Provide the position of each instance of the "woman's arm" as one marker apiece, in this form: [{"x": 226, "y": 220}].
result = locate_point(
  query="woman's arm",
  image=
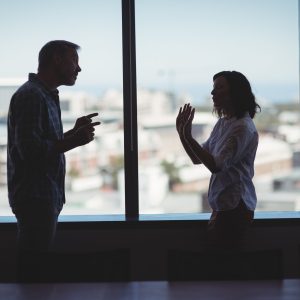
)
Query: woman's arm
[
  {"x": 180, "y": 126},
  {"x": 200, "y": 154},
  {"x": 204, "y": 156}
]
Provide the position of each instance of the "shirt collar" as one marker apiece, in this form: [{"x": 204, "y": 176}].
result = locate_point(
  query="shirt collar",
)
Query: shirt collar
[
  {"x": 230, "y": 120},
  {"x": 32, "y": 77}
]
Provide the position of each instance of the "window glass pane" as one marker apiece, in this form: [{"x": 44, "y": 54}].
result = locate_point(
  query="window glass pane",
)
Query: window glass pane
[
  {"x": 92, "y": 181},
  {"x": 180, "y": 46}
]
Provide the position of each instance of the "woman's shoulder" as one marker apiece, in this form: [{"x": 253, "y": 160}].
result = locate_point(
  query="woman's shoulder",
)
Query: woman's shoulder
[{"x": 245, "y": 123}]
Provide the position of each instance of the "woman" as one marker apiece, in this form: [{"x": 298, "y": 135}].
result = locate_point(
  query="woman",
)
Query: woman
[{"x": 228, "y": 153}]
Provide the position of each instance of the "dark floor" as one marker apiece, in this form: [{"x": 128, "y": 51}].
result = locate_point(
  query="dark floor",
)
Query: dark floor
[{"x": 288, "y": 289}]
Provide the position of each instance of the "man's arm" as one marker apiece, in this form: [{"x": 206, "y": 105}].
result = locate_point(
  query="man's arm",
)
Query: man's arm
[
  {"x": 80, "y": 122},
  {"x": 76, "y": 137},
  {"x": 68, "y": 133}
]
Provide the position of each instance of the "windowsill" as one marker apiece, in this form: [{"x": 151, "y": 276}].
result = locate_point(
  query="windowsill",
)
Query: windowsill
[{"x": 176, "y": 217}]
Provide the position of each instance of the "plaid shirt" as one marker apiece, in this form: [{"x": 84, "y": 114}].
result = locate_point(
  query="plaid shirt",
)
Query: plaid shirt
[{"x": 35, "y": 172}]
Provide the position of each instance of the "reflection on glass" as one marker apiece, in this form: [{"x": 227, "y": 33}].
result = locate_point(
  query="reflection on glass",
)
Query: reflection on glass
[
  {"x": 92, "y": 180},
  {"x": 180, "y": 46}
]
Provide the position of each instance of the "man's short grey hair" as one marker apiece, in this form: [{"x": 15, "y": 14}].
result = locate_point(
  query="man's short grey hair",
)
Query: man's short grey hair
[{"x": 52, "y": 48}]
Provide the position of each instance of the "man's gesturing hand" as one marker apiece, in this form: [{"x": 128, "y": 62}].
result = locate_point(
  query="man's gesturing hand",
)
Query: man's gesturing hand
[
  {"x": 84, "y": 120},
  {"x": 85, "y": 134}
]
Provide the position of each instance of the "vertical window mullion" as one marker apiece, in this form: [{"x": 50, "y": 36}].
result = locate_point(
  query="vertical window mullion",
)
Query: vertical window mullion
[
  {"x": 299, "y": 45},
  {"x": 130, "y": 110}
]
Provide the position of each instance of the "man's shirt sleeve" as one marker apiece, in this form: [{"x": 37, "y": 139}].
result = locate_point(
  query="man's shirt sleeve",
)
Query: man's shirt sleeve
[{"x": 30, "y": 118}]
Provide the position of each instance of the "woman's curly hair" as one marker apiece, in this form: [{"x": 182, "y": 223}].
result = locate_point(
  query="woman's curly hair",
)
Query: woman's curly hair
[{"x": 242, "y": 98}]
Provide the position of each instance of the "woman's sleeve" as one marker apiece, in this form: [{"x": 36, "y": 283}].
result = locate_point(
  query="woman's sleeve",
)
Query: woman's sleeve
[{"x": 240, "y": 141}]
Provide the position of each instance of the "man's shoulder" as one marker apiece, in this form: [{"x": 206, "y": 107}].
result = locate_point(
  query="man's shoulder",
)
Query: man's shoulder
[
  {"x": 28, "y": 87},
  {"x": 28, "y": 91}
]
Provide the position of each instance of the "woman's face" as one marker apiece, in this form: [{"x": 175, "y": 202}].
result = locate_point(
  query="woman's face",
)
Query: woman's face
[{"x": 221, "y": 93}]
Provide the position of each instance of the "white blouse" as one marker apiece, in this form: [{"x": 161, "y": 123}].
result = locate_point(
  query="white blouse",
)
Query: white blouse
[{"x": 233, "y": 144}]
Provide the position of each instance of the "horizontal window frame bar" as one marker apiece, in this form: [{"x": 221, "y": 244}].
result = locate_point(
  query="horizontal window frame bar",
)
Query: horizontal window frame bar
[{"x": 81, "y": 221}]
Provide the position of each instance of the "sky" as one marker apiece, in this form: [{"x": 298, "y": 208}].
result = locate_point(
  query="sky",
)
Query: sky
[{"x": 180, "y": 43}]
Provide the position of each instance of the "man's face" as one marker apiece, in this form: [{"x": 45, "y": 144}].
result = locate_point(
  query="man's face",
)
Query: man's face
[{"x": 68, "y": 67}]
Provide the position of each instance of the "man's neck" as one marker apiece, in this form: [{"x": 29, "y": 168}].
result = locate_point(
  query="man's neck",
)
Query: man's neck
[{"x": 48, "y": 79}]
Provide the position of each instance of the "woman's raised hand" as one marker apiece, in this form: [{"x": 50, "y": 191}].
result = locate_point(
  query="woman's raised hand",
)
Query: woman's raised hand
[{"x": 184, "y": 120}]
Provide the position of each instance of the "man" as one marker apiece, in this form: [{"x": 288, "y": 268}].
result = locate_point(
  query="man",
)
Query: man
[{"x": 36, "y": 146}]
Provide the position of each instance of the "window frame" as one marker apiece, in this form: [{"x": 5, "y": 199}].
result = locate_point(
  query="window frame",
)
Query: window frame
[
  {"x": 130, "y": 111},
  {"x": 131, "y": 143},
  {"x": 130, "y": 122}
]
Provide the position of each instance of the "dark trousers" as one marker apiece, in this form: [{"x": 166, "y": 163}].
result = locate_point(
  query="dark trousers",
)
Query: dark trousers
[
  {"x": 36, "y": 233},
  {"x": 226, "y": 229}
]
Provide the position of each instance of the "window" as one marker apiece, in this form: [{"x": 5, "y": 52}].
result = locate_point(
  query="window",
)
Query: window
[
  {"x": 180, "y": 46},
  {"x": 93, "y": 170}
]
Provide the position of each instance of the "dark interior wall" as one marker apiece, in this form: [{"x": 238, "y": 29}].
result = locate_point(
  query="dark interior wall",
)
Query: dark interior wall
[{"x": 149, "y": 244}]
